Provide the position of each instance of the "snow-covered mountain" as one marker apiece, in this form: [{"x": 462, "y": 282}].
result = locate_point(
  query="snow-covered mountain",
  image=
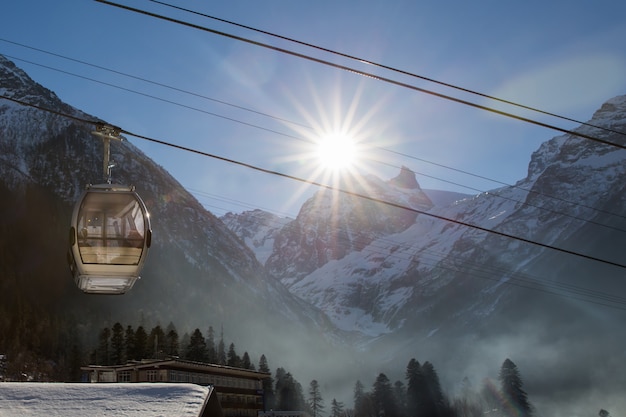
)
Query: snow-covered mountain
[
  {"x": 369, "y": 266},
  {"x": 402, "y": 281},
  {"x": 350, "y": 280}
]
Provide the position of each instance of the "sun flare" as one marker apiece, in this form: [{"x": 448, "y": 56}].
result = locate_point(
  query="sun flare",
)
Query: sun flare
[{"x": 336, "y": 152}]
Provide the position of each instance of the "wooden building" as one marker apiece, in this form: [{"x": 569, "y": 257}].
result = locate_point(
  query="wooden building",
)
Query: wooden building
[{"x": 239, "y": 391}]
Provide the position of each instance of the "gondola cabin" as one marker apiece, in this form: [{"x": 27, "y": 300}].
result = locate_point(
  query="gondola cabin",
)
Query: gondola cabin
[{"x": 109, "y": 239}]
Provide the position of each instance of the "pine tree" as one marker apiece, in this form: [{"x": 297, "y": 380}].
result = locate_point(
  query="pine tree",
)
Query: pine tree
[
  {"x": 359, "y": 392},
  {"x": 435, "y": 400},
  {"x": 336, "y": 408},
  {"x": 245, "y": 362},
  {"x": 104, "y": 352},
  {"x": 363, "y": 404},
  {"x": 156, "y": 342},
  {"x": 399, "y": 395},
  {"x": 130, "y": 343},
  {"x": 118, "y": 351},
  {"x": 289, "y": 395},
  {"x": 268, "y": 385},
  {"x": 196, "y": 350},
  {"x": 316, "y": 403},
  {"x": 232, "y": 359},
  {"x": 382, "y": 395},
  {"x": 141, "y": 343},
  {"x": 415, "y": 387},
  {"x": 280, "y": 388},
  {"x": 171, "y": 341},
  {"x": 511, "y": 386},
  {"x": 424, "y": 395},
  {"x": 210, "y": 346},
  {"x": 221, "y": 349}
]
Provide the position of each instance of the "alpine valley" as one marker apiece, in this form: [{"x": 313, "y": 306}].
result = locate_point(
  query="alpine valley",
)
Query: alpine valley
[{"x": 360, "y": 281}]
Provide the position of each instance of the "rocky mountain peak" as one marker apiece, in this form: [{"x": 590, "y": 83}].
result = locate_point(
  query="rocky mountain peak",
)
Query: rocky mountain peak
[
  {"x": 567, "y": 149},
  {"x": 13, "y": 78},
  {"x": 15, "y": 83},
  {"x": 333, "y": 224},
  {"x": 405, "y": 179},
  {"x": 612, "y": 110}
]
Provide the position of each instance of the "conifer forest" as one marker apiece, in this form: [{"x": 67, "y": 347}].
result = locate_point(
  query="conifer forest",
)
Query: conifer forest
[{"x": 418, "y": 394}]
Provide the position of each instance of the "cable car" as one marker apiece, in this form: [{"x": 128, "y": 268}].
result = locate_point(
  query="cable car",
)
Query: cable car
[{"x": 110, "y": 235}]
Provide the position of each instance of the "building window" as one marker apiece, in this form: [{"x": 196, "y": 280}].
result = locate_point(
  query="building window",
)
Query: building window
[
  {"x": 123, "y": 376},
  {"x": 152, "y": 375},
  {"x": 106, "y": 376}
]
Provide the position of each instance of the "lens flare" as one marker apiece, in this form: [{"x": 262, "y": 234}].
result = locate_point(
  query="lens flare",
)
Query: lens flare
[{"x": 336, "y": 152}]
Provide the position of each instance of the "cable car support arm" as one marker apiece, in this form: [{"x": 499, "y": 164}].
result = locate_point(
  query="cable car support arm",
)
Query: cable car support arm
[{"x": 106, "y": 133}]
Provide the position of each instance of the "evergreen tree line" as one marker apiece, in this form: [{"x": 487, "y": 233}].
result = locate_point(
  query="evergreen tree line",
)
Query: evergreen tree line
[
  {"x": 52, "y": 352},
  {"x": 422, "y": 396},
  {"x": 118, "y": 345}
]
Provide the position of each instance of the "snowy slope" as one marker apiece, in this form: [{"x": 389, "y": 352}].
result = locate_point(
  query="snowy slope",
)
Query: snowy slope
[{"x": 257, "y": 229}]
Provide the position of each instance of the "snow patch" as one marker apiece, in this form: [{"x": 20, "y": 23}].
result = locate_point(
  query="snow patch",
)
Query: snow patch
[{"x": 115, "y": 399}]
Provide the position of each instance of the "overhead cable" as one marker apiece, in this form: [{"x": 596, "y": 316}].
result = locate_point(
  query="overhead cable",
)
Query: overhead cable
[
  {"x": 367, "y": 74},
  {"x": 180, "y": 90},
  {"x": 299, "y": 138},
  {"x": 387, "y": 67},
  {"x": 156, "y": 98},
  {"x": 294, "y": 123}
]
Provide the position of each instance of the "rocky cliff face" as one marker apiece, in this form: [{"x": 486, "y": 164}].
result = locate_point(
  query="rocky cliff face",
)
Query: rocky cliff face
[{"x": 332, "y": 224}]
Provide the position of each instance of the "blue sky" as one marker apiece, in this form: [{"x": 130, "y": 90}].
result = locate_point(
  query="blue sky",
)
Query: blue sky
[{"x": 560, "y": 56}]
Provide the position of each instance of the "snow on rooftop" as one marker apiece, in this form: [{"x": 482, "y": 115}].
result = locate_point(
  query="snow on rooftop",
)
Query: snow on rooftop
[{"x": 84, "y": 399}]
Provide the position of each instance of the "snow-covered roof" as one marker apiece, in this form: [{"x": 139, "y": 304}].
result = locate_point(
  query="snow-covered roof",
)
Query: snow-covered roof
[{"x": 123, "y": 399}]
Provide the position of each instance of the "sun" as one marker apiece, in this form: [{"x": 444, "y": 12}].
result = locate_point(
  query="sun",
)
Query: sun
[{"x": 336, "y": 152}]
